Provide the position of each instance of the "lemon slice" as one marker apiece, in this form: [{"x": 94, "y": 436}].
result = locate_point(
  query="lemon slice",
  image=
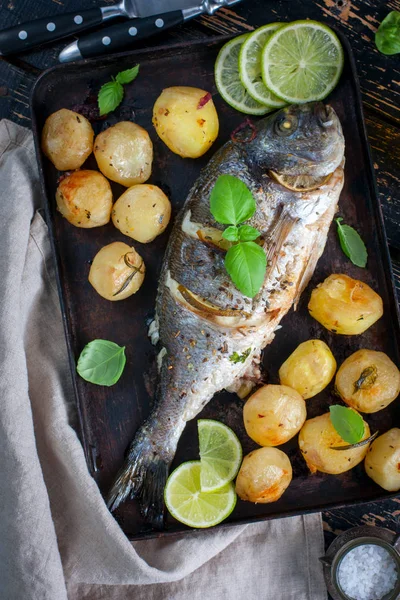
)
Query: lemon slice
[
  {"x": 189, "y": 505},
  {"x": 300, "y": 183},
  {"x": 302, "y": 61},
  {"x": 220, "y": 454},
  {"x": 250, "y": 66},
  {"x": 228, "y": 82}
]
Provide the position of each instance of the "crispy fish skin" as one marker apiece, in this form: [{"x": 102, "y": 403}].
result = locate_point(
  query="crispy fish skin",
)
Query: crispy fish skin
[{"x": 197, "y": 345}]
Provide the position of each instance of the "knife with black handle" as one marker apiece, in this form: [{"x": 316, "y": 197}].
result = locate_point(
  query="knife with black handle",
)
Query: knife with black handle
[{"x": 123, "y": 36}]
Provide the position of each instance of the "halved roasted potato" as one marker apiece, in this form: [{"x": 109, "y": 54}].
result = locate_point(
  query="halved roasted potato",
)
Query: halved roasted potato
[
  {"x": 368, "y": 381},
  {"x": 345, "y": 305},
  {"x": 382, "y": 462}
]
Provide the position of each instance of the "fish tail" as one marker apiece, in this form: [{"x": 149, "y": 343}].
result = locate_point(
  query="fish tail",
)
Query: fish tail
[{"x": 142, "y": 476}]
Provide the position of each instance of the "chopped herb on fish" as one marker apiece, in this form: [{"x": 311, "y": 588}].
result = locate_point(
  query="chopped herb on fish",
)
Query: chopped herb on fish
[{"x": 240, "y": 358}]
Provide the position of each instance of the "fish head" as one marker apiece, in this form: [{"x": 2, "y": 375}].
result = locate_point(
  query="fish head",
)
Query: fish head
[{"x": 301, "y": 139}]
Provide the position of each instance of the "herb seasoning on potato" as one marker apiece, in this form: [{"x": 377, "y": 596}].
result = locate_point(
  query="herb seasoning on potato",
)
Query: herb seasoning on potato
[
  {"x": 117, "y": 271},
  {"x": 368, "y": 381},
  {"x": 67, "y": 139},
  {"x": 124, "y": 153},
  {"x": 186, "y": 120},
  {"x": 84, "y": 198},
  {"x": 142, "y": 212}
]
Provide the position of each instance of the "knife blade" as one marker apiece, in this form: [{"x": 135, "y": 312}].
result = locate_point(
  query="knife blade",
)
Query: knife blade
[
  {"x": 123, "y": 36},
  {"x": 42, "y": 31}
]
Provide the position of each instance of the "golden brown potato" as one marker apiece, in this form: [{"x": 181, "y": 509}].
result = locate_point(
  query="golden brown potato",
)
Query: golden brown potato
[
  {"x": 67, "y": 139},
  {"x": 84, "y": 198},
  {"x": 186, "y": 120},
  {"x": 124, "y": 153},
  {"x": 315, "y": 440},
  {"x": 309, "y": 369},
  {"x": 117, "y": 271},
  {"x": 264, "y": 475},
  {"x": 345, "y": 305},
  {"x": 142, "y": 212},
  {"x": 274, "y": 414},
  {"x": 368, "y": 381},
  {"x": 382, "y": 462}
]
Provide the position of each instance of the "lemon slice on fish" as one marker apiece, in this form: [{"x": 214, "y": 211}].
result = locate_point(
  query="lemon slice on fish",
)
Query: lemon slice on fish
[
  {"x": 302, "y": 61},
  {"x": 250, "y": 66},
  {"x": 189, "y": 505},
  {"x": 300, "y": 183},
  {"x": 228, "y": 82},
  {"x": 220, "y": 454}
]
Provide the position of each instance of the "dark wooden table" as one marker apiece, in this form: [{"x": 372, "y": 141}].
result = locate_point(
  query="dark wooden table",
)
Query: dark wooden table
[{"x": 380, "y": 85}]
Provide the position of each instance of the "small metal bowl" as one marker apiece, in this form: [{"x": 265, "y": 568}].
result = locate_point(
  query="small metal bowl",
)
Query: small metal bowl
[{"x": 358, "y": 536}]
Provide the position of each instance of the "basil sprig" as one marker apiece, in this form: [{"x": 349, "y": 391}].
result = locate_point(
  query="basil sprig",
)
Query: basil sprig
[
  {"x": 387, "y": 38},
  {"x": 111, "y": 93},
  {"x": 101, "y": 362},
  {"x": 231, "y": 203},
  {"x": 348, "y": 423},
  {"x": 352, "y": 244}
]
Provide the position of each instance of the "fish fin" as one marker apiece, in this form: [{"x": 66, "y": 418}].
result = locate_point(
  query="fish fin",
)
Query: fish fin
[
  {"x": 143, "y": 476},
  {"x": 277, "y": 238}
]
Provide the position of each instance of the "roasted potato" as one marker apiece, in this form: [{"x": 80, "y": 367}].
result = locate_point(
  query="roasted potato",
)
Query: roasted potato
[
  {"x": 345, "y": 305},
  {"x": 124, "y": 153},
  {"x": 84, "y": 198},
  {"x": 368, "y": 381},
  {"x": 264, "y": 475},
  {"x": 315, "y": 440},
  {"x": 117, "y": 271},
  {"x": 274, "y": 414},
  {"x": 142, "y": 212},
  {"x": 186, "y": 120},
  {"x": 67, "y": 139},
  {"x": 382, "y": 462},
  {"x": 309, "y": 369}
]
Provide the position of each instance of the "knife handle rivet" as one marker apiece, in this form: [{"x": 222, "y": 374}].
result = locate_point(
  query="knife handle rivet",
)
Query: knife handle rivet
[
  {"x": 132, "y": 31},
  {"x": 50, "y": 26},
  {"x": 22, "y": 35},
  {"x": 78, "y": 20},
  {"x": 106, "y": 40},
  {"x": 159, "y": 23}
]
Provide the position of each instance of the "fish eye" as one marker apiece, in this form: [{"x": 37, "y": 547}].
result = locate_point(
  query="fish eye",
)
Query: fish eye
[{"x": 285, "y": 124}]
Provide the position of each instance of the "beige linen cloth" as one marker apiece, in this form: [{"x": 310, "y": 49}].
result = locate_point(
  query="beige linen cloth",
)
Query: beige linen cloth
[{"x": 57, "y": 538}]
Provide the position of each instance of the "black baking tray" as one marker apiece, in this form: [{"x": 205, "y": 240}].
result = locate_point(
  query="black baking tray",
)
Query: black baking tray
[{"x": 109, "y": 417}]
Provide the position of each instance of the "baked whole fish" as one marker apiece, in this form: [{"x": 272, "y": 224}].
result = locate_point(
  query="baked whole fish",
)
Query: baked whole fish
[{"x": 201, "y": 318}]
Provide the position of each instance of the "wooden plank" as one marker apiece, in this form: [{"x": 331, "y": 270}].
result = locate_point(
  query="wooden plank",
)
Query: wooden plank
[{"x": 358, "y": 19}]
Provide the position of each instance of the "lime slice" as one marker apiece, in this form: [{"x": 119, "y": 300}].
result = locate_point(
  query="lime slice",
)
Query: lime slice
[
  {"x": 250, "y": 66},
  {"x": 228, "y": 82},
  {"x": 220, "y": 454},
  {"x": 189, "y": 505},
  {"x": 300, "y": 183},
  {"x": 302, "y": 61}
]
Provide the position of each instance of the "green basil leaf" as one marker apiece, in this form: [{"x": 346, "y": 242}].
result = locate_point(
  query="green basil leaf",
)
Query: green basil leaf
[
  {"x": 352, "y": 244},
  {"x": 101, "y": 362},
  {"x": 246, "y": 264},
  {"x": 231, "y": 233},
  {"x": 231, "y": 201},
  {"x": 387, "y": 38},
  {"x": 127, "y": 76},
  {"x": 348, "y": 424},
  {"x": 248, "y": 233},
  {"x": 110, "y": 96}
]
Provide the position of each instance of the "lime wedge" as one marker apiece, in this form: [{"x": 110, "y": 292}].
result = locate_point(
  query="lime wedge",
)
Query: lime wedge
[
  {"x": 302, "y": 61},
  {"x": 220, "y": 454},
  {"x": 250, "y": 66},
  {"x": 228, "y": 82},
  {"x": 189, "y": 505}
]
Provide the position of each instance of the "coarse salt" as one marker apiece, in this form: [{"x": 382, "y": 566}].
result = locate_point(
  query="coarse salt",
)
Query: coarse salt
[{"x": 367, "y": 572}]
